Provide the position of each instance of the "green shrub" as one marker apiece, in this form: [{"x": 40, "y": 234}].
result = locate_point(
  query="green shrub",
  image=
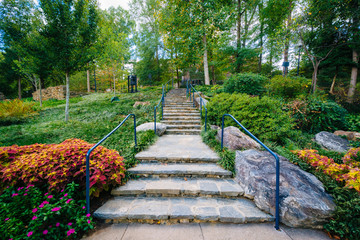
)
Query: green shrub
[
  {"x": 209, "y": 90},
  {"x": 30, "y": 213},
  {"x": 15, "y": 111},
  {"x": 315, "y": 115},
  {"x": 263, "y": 117},
  {"x": 353, "y": 121},
  {"x": 288, "y": 87},
  {"x": 249, "y": 83}
]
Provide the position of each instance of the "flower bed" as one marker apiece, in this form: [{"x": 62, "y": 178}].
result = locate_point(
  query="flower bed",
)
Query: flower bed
[
  {"x": 347, "y": 172},
  {"x": 29, "y": 213},
  {"x": 57, "y": 165}
]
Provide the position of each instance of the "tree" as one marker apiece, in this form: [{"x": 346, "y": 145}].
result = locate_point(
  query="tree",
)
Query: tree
[{"x": 71, "y": 30}]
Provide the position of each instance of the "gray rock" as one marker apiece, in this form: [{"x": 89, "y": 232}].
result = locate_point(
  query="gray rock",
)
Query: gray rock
[
  {"x": 214, "y": 127},
  {"x": 234, "y": 139},
  {"x": 2, "y": 96},
  {"x": 160, "y": 127},
  {"x": 141, "y": 104},
  {"x": 303, "y": 200},
  {"x": 332, "y": 142},
  {"x": 203, "y": 103}
]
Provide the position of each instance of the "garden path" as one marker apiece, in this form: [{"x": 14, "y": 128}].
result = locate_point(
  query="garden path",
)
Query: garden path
[{"x": 178, "y": 180}]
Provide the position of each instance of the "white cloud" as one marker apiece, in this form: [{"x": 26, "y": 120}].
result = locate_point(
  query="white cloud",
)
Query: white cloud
[{"x": 105, "y": 4}]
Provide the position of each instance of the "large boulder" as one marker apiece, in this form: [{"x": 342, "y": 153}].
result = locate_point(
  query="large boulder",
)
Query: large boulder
[
  {"x": 349, "y": 135},
  {"x": 203, "y": 103},
  {"x": 332, "y": 142},
  {"x": 303, "y": 200},
  {"x": 234, "y": 139},
  {"x": 160, "y": 127}
]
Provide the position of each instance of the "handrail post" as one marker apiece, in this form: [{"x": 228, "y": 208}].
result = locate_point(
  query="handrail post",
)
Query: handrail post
[
  {"x": 205, "y": 118},
  {"x": 222, "y": 132},
  {"x": 200, "y": 107},
  {"x": 193, "y": 98},
  {"x": 87, "y": 183},
  {"x": 162, "y": 108},
  {"x": 155, "y": 119},
  {"x": 135, "y": 130}
]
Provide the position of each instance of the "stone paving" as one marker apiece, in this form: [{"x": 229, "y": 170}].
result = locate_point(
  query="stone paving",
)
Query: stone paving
[{"x": 178, "y": 181}]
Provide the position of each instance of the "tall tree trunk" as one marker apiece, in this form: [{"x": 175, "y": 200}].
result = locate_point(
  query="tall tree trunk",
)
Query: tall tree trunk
[
  {"x": 238, "y": 34},
  {"x": 245, "y": 30},
  {"x": 354, "y": 74},
  {"x": 67, "y": 96},
  {"x": 88, "y": 79},
  {"x": 333, "y": 81},
  {"x": 213, "y": 75},
  {"x": 261, "y": 36},
  {"x": 314, "y": 77},
  {"x": 177, "y": 77},
  {"x": 19, "y": 88},
  {"x": 287, "y": 40},
  {"x": 40, "y": 94},
  {"x": 114, "y": 80},
  {"x": 206, "y": 65}
]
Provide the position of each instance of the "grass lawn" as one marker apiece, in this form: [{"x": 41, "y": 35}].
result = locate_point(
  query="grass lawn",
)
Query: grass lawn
[{"x": 91, "y": 118}]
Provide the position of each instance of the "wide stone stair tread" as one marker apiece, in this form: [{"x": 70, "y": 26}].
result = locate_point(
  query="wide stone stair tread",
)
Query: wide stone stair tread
[
  {"x": 183, "y": 126},
  {"x": 180, "y": 169},
  {"x": 183, "y": 132},
  {"x": 181, "y": 122},
  {"x": 181, "y": 114},
  {"x": 167, "y": 111},
  {"x": 177, "y": 187},
  {"x": 193, "y": 209},
  {"x": 180, "y": 147},
  {"x": 181, "y": 118}
]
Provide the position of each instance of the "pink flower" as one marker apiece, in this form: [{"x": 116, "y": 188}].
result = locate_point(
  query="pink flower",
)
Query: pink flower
[
  {"x": 61, "y": 198},
  {"x": 6, "y": 219},
  {"x": 41, "y": 205},
  {"x": 83, "y": 207},
  {"x": 45, "y": 232},
  {"x": 70, "y": 223},
  {"x": 30, "y": 233},
  {"x": 88, "y": 215},
  {"x": 89, "y": 221},
  {"x": 69, "y": 200},
  {"x": 25, "y": 194},
  {"x": 71, "y": 231},
  {"x": 34, "y": 210},
  {"x": 62, "y": 190},
  {"x": 30, "y": 186},
  {"x": 50, "y": 226},
  {"x": 56, "y": 209},
  {"x": 57, "y": 224},
  {"x": 34, "y": 217},
  {"x": 14, "y": 194},
  {"x": 50, "y": 196},
  {"x": 46, "y": 193},
  {"x": 65, "y": 195},
  {"x": 20, "y": 188},
  {"x": 26, "y": 190}
]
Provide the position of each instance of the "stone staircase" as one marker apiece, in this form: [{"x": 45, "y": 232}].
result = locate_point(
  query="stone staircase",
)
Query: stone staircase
[
  {"x": 180, "y": 116},
  {"x": 178, "y": 180}
]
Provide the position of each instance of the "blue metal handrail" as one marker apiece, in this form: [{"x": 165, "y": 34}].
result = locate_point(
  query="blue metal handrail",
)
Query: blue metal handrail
[
  {"x": 189, "y": 86},
  {"x": 165, "y": 85},
  {"x": 95, "y": 146},
  {"x": 277, "y": 190},
  {"x": 162, "y": 107}
]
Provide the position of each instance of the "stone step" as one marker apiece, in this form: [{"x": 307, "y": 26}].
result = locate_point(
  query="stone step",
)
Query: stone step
[
  {"x": 179, "y": 170},
  {"x": 180, "y": 187},
  {"x": 180, "y": 108},
  {"x": 175, "y": 210},
  {"x": 177, "y": 159},
  {"x": 190, "y": 104},
  {"x": 181, "y": 122},
  {"x": 180, "y": 111},
  {"x": 189, "y": 126},
  {"x": 184, "y": 118},
  {"x": 177, "y": 131}
]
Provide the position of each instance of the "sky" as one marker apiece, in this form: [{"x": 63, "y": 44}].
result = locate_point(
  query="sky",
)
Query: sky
[{"x": 105, "y": 4}]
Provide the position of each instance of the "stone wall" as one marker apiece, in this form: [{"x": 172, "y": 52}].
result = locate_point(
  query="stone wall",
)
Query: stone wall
[
  {"x": 2, "y": 96},
  {"x": 58, "y": 92}
]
